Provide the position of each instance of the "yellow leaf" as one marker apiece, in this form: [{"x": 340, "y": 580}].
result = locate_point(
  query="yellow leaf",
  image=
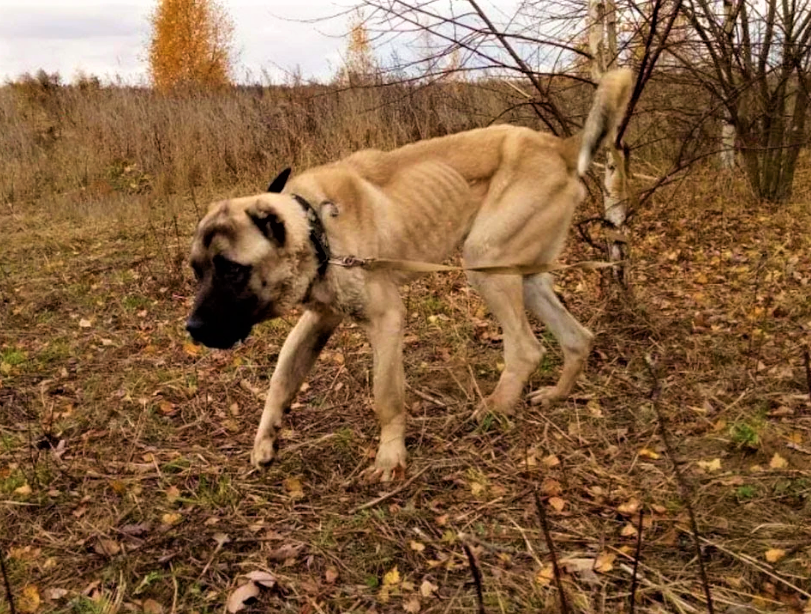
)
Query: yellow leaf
[
  {"x": 192, "y": 349},
  {"x": 172, "y": 493},
  {"x": 392, "y": 577},
  {"x": 628, "y": 530},
  {"x": 551, "y": 461},
  {"x": 557, "y": 503},
  {"x": 294, "y": 488},
  {"x": 629, "y": 508},
  {"x": 551, "y": 488},
  {"x": 171, "y": 519},
  {"x": 710, "y": 466},
  {"x": 416, "y": 546},
  {"x": 476, "y": 488},
  {"x": 648, "y": 453},
  {"x": 605, "y": 562},
  {"x": 427, "y": 589},
  {"x": 29, "y": 600},
  {"x": 775, "y": 554},
  {"x": 23, "y": 490},
  {"x": 778, "y": 462},
  {"x": 545, "y": 576}
]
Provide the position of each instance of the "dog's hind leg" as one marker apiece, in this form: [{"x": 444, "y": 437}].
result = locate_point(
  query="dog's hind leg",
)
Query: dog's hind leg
[
  {"x": 385, "y": 326},
  {"x": 522, "y": 351},
  {"x": 574, "y": 338},
  {"x": 300, "y": 349}
]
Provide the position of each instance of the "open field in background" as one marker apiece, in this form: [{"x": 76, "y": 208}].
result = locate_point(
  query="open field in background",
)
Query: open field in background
[{"x": 125, "y": 482}]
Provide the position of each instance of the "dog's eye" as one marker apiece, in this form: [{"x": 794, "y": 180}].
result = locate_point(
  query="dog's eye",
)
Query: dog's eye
[
  {"x": 198, "y": 271},
  {"x": 230, "y": 270}
]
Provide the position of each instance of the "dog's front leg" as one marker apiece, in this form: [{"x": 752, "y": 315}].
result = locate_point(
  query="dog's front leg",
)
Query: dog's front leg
[
  {"x": 385, "y": 326},
  {"x": 298, "y": 354}
]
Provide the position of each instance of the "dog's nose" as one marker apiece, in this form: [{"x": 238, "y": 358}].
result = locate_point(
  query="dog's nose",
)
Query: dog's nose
[{"x": 195, "y": 327}]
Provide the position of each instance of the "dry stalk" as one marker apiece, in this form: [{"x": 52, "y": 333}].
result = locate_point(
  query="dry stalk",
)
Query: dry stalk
[
  {"x": 550, "y": 544},
  {"x": 477, "y": 577},
  {"x": 685, "y": 490},
  {"x": 7, "y": 583},
  {"x": 637, "y": 553}
]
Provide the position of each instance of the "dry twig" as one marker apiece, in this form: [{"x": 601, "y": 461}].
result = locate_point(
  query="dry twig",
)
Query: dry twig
[
  {"x": 7, "y": 583},
  {"x": 564, "y": 604},
  {"x": 686, "y": 493},
  {"x": 477, "y": 577}
]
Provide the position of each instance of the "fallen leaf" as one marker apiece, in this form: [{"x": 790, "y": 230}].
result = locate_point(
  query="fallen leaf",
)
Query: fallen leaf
[
  {"x": 107, "y": 547},
  {"x": 605, "y": 562},
  {"x": 476, "y": 488},
  {"x": 551, "y": 488},
  {"x": 29, "y": 600},
  {"x": 241, "y": 597},
  {"x": 648, "y": 453},
  {"x": 412, "y": 606},
  {"x": 135, "y": 530},
  {"x": 331, "y": 575},
  {"x": 628, "y": 530},
  {"x": 262, "y": 578},
  {"x": 23, "y": 490},
  {"x": 416, "y": 546},
  {"x": 551, "y": 461},
  {"x": 778, "y": 462},
  {"x": 85, "y": 323},
  {"x": 55, "y": 594},
  {"x": 172, "y": 494},
  {"x": 710, "y": 466},
  {"x": 288, "y": 551},
  {"x": 294, "y": 488},
  {"x": 192, "y": 349},
  {"x": 150, "y": 606},
  {"x": 557, "y": 503},
  {"x": 577, "y": 565},
  {"x": 392, "y": 577},
  {"x": 629, "y": 508},
  {"x": 545, "y": 576},
  {"x": 221, "y": 539},
  {"x": 775, "y": 554},
  {"x": 171, "y": 518},
  {"x": 427, "y": 588}
]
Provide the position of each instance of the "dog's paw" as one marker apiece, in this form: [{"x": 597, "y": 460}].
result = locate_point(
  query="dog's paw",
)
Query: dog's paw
[
  {"x": 264, "y": 450},
  {"x": 490, "y": 407},
  {"x": 545, "y": 396},
  {"x": 390, "y": 461}
]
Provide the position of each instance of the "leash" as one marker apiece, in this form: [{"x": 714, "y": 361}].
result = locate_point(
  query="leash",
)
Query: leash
[
  {"x": 320, "y": 242},
  {"x": 496, "y": 269}
]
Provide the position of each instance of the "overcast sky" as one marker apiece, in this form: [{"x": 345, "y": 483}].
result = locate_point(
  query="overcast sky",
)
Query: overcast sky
[{"x": 108, "y": 37}]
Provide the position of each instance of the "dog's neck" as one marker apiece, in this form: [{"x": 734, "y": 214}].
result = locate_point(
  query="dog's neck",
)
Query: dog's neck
[{"x": 318, "y": 235}]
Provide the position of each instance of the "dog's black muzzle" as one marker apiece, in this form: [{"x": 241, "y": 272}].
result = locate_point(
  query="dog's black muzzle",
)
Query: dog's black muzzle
[{"x": 216, "y": 335}]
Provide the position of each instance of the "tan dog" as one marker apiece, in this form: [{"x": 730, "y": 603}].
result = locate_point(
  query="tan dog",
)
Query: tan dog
[{"x": 506, "y": 194}]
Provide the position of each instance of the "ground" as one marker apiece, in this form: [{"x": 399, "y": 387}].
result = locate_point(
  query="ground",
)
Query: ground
[{"x": 125, "y": 482}]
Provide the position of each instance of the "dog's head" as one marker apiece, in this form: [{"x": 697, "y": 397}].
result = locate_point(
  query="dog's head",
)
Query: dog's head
[{"x": 253, "y": 261}]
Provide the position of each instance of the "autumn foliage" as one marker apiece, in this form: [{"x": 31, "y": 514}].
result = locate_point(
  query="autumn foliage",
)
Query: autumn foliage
[{"x": 191, "y": 45}]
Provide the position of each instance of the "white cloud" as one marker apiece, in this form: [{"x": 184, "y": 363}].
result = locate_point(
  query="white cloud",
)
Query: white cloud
[{"x": 109, "y": 38}]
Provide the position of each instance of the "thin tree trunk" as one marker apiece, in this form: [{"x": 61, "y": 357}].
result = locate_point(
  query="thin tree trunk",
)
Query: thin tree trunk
[
  {"x": 728, "y": 131},
  {"x": 603, "y": 47}
]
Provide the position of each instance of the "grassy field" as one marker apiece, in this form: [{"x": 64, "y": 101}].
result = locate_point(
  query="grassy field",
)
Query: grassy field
[{"x": 125, "y": 482}]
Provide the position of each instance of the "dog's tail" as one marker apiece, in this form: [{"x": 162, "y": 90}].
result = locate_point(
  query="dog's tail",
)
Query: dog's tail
[{"x": 607, "y": 110}]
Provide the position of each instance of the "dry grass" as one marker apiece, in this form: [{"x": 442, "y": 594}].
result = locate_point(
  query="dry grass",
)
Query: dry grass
[{"x": 124, "y": 475}]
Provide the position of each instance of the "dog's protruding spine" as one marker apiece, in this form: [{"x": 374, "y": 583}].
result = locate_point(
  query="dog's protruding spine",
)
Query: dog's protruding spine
[{"x": 610, "y": 101}]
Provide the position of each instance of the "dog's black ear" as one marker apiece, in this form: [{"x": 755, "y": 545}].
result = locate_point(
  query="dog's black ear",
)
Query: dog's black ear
[
  {"x": 271, "y": 225},
  {"x": 277, "y": 185}
]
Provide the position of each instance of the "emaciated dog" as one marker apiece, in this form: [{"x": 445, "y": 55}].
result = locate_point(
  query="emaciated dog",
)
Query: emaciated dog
[{"x": 505, "y": 194}]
